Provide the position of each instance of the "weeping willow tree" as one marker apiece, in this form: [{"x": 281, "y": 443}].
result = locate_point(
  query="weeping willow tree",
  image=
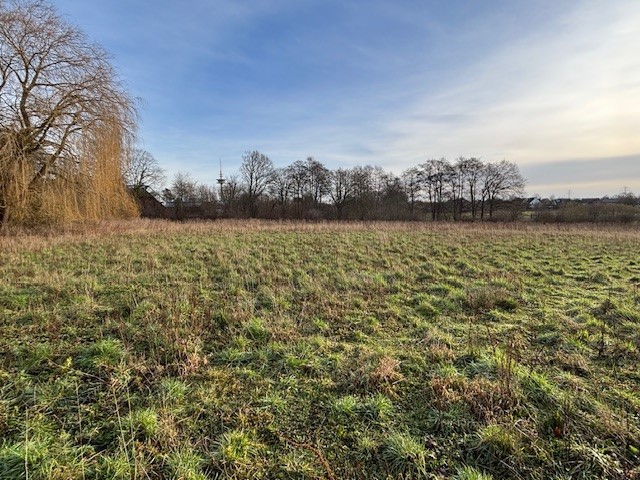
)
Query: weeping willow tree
[{"x": 65, "y": 121}]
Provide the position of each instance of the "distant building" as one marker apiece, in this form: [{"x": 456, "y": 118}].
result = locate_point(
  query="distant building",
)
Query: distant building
[
  {"x": 533, "y": 203},
  {"x": 150, "y": 206}
]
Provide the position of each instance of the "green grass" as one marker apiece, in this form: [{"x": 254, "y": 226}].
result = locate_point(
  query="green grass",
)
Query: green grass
[{"x": 249, "y": 350}]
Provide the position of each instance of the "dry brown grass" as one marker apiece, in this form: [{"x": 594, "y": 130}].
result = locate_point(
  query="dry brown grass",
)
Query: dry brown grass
[
  {"x": 387, "y": 371},
  {"x": 486, "y": 399},
  {"x": 25, "y": 239}
]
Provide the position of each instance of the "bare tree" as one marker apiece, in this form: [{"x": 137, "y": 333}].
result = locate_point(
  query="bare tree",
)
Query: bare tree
[
  {"x": 363, "y": 191},
  {"x": 412, "y": 186},
  {"x": 206, "y": 193},
  {"x": 380, "y": 181},
  {"x": 191, "y": 198},
  {"x": 280, "y": 190},
  {"x": 471, "y": 171},
  {"x": 298, "y": 176},
  {"x": 230, "y": 195},
  {"x": 319, "y": 180},
  {"x": 59, "y": 97},
  {"x": 393, "y": 202},
  {"x": 435, "y": 177},
  {"x": 184, "y": 188},
  {"x": 456, "y": 189},
  {"x": 167, "y": 195},
  {"x": 502, "y": 180},
  {"x": 342, "y": 189},
  {"x": 257, "y": 173},
  {"x": 142, "y": 170}
]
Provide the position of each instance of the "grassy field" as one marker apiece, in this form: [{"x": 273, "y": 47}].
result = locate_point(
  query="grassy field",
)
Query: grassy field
[{"x": 256, "y": 350}]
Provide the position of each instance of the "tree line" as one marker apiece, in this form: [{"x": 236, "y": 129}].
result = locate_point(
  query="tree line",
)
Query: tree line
[{"x": 467, "y": 188}]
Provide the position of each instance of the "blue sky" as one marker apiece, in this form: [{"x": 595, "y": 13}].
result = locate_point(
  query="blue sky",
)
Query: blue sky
[{"x": 553, "y": 86}]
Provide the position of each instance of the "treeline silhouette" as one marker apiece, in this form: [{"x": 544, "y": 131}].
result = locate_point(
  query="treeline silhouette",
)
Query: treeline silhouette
[{"x": 438, "y": 189}]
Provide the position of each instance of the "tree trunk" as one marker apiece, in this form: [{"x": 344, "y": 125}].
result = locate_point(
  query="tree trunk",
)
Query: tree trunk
[{"x": 474, "y": 207}]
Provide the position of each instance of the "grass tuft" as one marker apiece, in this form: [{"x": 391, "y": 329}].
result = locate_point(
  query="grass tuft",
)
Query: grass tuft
[
  {"x": 143, "y": 423},
  {"x": 470, "y": 473},
  {"x": 236, "y": 449},
  {"x": 185, "y": 464},
  {"x": 405, "y": 455},
  {"x": 103, "y": 354}
]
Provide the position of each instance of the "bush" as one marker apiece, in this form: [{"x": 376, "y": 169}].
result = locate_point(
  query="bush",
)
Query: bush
[{"x": 600, "y": 213}]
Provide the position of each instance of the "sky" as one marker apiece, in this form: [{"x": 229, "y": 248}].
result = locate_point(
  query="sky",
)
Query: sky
[{"x": 552, "y": 86}]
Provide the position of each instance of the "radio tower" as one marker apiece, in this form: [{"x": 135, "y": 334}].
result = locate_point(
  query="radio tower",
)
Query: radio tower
[{"x": 221, "y": 179}]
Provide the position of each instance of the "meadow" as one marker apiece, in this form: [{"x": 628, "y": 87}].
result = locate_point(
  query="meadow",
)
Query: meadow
[{"x": 281, "y": 350}]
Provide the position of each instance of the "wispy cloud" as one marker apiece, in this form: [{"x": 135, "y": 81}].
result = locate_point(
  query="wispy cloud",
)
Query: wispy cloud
[{"x": 568, "y": 91}]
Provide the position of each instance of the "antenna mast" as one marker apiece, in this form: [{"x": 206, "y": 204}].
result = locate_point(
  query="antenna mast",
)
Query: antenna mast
[{"x": 221, "y": 179}]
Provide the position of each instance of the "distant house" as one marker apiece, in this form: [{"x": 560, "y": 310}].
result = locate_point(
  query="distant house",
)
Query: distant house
[
  {"x": 150, "y": 206},
  {"x": 555, "y": 203},
  {"x": 196, "y": 209},
  {"x": 533, "y": 203}
]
